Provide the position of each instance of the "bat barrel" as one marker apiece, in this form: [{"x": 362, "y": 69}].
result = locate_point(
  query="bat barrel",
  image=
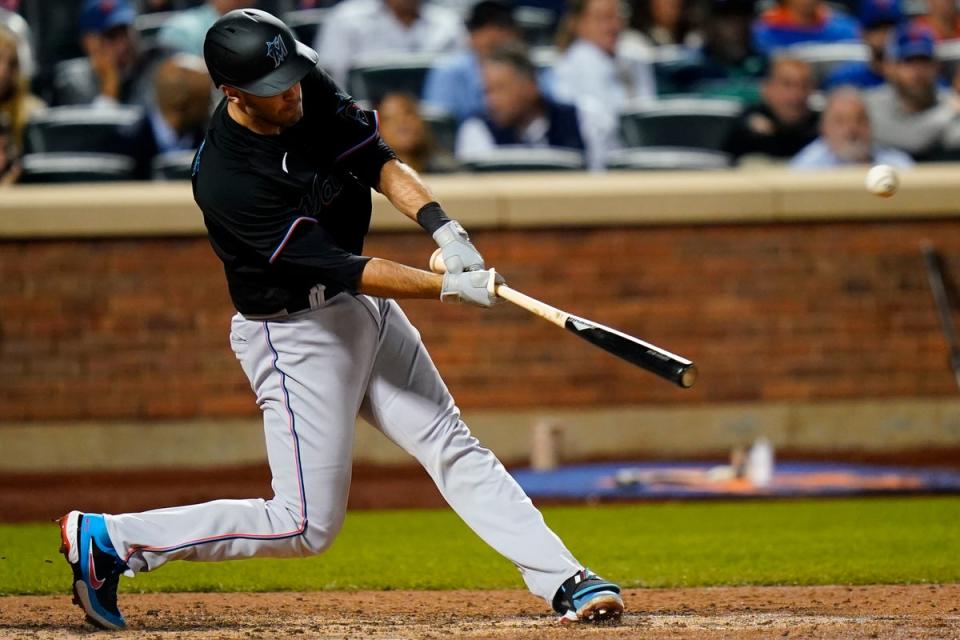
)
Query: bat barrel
[{"x": 660, "y": 362}]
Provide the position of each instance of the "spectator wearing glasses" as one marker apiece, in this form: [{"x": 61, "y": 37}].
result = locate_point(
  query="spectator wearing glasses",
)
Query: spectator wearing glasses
[
  {"x": 846, "y": 137},
  {"x": 454, "y": 83}
]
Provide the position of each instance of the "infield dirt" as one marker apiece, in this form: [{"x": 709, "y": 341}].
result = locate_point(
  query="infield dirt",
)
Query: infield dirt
[{"x": 915, "y": 611}]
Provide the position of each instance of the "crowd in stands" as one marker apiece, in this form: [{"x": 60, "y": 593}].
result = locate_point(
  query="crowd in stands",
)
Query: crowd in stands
[{"x": 117, "y": 89}]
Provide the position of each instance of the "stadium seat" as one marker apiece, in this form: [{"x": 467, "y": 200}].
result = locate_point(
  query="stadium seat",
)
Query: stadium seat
[
  {"x": 373, "y": 78},
  {"x": 75, "y": 167},
  {"x": 306, "y": 23},
  {"x": 442, "y": 125},
  {"x": 148, "y": 26},
  {"x": 175, "y": 165},
  {"x": 525, "y": 159},
  {"x": 79, "y": 128},
  {"x": 700, "y": 123},
  {"x": 668, "y": 158},
  {"x": 824, "y": 58},
  {"x": 948, "y": 53}
]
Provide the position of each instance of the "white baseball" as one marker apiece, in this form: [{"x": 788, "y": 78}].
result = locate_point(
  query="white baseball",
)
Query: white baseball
[{"x": 882, "y": 180}]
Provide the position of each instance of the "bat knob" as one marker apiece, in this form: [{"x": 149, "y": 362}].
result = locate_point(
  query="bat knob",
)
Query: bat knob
[{"x": 689, "y": 377}]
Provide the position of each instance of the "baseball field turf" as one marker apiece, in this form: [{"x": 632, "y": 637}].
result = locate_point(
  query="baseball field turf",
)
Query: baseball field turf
[{"x": 853, "y": 542}]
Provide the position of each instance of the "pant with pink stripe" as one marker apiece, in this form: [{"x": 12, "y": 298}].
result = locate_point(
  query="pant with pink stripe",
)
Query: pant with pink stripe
[{"x": 313, "y": 373}]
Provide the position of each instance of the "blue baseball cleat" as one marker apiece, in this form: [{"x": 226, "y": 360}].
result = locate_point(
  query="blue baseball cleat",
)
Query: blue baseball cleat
[
  {"x": 96, "y": 567},
  {"x": 586, "y": 597}
]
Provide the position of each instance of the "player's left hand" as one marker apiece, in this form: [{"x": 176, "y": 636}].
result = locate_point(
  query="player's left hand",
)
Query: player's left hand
[{"x": 459, "y": 254}]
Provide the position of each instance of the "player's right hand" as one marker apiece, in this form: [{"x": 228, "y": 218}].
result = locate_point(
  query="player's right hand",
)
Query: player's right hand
[
  {"x": 459, "y": 254},
  {"x": 472, "y": 287}
]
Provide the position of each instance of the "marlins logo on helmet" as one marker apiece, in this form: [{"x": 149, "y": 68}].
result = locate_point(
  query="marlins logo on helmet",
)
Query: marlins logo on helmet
[{"x": 277, "y": 51}]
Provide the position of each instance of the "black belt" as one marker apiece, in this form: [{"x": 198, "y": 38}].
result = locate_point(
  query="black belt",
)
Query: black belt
[{"x": 312, "y": 299}]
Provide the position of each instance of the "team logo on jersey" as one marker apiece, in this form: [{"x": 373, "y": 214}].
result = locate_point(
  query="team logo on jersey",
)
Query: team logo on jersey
[
  {"x": 277, "y": 51},
  {"x": 349, "y": 109}
]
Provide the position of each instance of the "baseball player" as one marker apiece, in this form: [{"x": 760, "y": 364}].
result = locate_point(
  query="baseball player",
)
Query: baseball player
[{"x": 283, "y": 178}]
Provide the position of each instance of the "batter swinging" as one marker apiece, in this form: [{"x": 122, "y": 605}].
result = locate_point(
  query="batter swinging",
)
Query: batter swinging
[{"x": 283, "y": 178}]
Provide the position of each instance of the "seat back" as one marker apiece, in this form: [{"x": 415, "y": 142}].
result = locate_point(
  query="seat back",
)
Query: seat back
[
  {"x": 668, "y": 159},
  {"x": 80, "y": 128},
  {"x": 373, "y": 78},
  {"x": 525, "y": 159},
  {"x": 75, "y": 167},
  {"x": 701, "y": 123}
]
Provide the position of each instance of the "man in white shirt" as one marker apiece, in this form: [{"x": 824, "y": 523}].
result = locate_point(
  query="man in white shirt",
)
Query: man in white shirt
[
  {"x": 846, "y": 137},
  {"x": 361, "y": 28},
  {"x": 518, "y": 114}
]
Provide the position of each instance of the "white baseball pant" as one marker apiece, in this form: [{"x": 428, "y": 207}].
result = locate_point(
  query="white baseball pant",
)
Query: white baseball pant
[{"x": 312, "y": 373}]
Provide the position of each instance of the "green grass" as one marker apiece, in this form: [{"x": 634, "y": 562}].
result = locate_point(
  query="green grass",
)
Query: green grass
[{"x": 873, "y": 541}]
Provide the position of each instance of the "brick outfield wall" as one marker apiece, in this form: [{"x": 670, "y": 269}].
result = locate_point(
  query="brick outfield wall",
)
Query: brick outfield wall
[{"x": 137, "y": 329}]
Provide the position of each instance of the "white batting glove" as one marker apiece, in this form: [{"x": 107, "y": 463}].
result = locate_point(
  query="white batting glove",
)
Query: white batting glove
[
  {"x": 472, "y": 287},
  {"x": 459, "y": 254}
]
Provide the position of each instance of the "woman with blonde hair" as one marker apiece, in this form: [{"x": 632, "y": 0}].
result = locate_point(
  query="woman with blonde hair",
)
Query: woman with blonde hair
[
  {"x": 17, "y": 104},
  {"x": 597, "y": 63}
]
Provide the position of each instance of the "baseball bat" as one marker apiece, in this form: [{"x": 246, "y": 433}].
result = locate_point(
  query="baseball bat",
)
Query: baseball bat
[
  {"x": 660, "y": 362},
  {"x": 935, "y": 278}
]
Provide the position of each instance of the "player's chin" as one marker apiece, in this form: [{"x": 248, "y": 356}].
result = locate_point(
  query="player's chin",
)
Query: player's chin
[{"x": 291, "y": 116}]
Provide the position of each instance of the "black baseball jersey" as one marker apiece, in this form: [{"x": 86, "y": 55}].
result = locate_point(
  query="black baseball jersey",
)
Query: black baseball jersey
[{"x": 287, "y": 212}]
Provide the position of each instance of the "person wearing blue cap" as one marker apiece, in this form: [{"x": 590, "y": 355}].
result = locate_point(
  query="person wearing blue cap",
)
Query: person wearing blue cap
[
  {"x": 911, "y": 112},
  {"x": 115, "y": 70},
  {"x": 878, "y": 19}
]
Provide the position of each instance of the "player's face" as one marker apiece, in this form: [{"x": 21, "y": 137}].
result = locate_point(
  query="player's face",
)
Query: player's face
[{"x": 282, "y": 110}]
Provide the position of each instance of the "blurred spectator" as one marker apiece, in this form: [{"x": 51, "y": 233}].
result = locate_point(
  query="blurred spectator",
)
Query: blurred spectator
[
  {"x": 911, "y": 112},
  {"x": 666, "y": 22},
  {"x": 358, "y": 28},
  {"x": 116, "y": 71},
  {"x": 942, "y": 19},
  {"x": 185, "y": 31},
  {"x": 15, "y": 23},
  {"x": 9, "y": 167},
  {"x": 846, "y": 137},
  {"x": 518, "y": 114},
  {"x": 595, "y": 64},
  {"x": 727, "y": 65},
  {"x": 404, "y": 130},
  {"x": 793, "y": 22},
  {"x": 177, "y": 119},
  {"x": 879, "y": 19},
  {"x": 17, "y": 104},
  {"x": 454, "y": 84},
  {"x": 783, "y": 123}
]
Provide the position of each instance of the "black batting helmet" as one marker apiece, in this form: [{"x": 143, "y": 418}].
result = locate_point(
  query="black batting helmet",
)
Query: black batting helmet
[{"x": 255, "y": 52}]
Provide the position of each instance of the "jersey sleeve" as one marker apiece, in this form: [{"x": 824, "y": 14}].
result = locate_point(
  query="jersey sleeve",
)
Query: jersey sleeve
[
  {"x": 284, "y": 239},
  {"x": 351, "y": 133}
]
